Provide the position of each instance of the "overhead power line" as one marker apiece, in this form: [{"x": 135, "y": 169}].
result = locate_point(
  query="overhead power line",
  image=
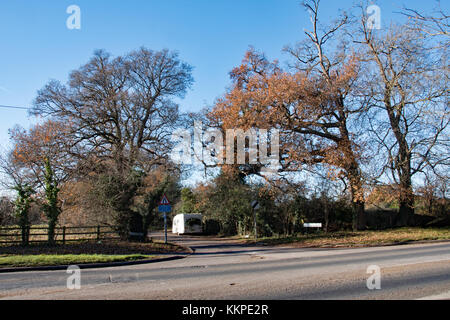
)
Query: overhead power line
[{"x": 13, "y": 107}]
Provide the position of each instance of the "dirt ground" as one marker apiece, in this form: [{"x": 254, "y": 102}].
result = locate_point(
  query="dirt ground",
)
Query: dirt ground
[{"x": 110, "y": 247}]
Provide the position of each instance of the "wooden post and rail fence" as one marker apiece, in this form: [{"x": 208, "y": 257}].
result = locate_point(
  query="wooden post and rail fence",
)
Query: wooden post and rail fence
[{"x": 37, "y": 234}]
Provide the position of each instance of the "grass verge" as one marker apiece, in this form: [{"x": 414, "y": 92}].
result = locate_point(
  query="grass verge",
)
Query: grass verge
[
  {"x": 8, "y": 261},
  {"x": 360, "y": 238}
]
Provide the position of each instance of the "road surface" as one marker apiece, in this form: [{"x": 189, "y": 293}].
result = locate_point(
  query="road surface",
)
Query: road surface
[{"x": 222, "y": 269}]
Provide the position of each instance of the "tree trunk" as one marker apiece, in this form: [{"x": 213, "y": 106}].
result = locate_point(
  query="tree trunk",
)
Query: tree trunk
[
  {"x": 353, "y": 172},
  {"x": 406, "y": 197},
  {"x": 406, "y": 207},
  {"x": 403, "y": 165},
  {"x": 359, "y": 218},
  {"x": 51, "y": 231},
  {"x": 357, "y": 192},
  {"x": 25, "y": 235}
]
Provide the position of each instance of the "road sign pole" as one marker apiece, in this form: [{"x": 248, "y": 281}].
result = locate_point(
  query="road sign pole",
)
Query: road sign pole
[
  {"x": 254, "y": 222},
  {"x": 165, "y": 228},
  {"x": 164, "y": 206}
]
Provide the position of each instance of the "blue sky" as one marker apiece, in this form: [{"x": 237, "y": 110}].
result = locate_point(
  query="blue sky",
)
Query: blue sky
[{"x": 211, "y": 35}]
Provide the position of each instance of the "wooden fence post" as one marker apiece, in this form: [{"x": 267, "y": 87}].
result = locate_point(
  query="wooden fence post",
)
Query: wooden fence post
[
  {"x": 98, "y": 233},
  {"x": 64, "y": 235},
  {"x": 28, "y": 235}
]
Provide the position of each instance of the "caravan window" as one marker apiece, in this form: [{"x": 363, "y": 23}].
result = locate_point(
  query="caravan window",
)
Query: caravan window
[{"x": 193, "y": 222}]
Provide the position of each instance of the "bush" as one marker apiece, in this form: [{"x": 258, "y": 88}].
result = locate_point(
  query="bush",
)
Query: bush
[{"x": 211, "y": 227}]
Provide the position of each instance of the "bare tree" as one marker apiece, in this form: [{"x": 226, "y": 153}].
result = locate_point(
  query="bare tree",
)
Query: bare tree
[
  {"x": 434, "y": 24},
  {"x": 122, "y": 113},
  {"x": 407, "y": 86},
  {"x": 120, "y": 107}
]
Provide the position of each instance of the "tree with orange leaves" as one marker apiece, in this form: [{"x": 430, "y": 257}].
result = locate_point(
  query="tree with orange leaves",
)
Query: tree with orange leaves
[
  {"x": 43, "y": 156},
  {"x": 312, "y": 107},
  {"x": 50, "y": 141}
]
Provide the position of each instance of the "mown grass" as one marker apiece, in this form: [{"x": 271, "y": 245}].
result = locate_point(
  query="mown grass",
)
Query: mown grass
[
  {"x": 360, "y": 238},
  {"x": 65, "y": 259}
]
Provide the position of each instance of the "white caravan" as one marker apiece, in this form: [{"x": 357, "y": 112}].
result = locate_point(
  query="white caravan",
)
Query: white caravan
[{"x": 187, "y": 223}]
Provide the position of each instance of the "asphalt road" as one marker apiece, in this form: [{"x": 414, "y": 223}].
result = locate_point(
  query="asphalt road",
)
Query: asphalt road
[{"x": 229, "y": 270}]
